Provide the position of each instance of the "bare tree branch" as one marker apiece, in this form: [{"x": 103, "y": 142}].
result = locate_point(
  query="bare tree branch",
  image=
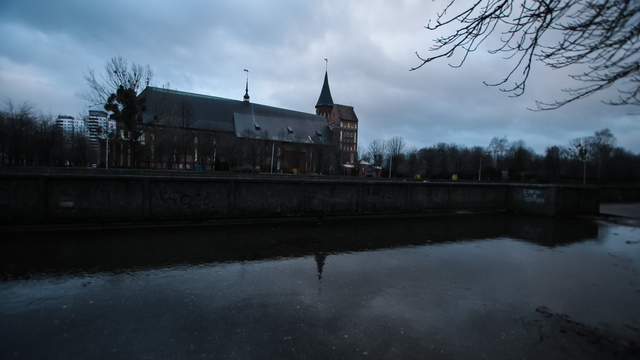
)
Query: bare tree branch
[
  {"x": 117, "y": 73},
  {"x": 603, "y": 34}
]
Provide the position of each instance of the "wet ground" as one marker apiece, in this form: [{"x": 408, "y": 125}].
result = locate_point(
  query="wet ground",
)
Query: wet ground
[{"x": 498, "y": 286}]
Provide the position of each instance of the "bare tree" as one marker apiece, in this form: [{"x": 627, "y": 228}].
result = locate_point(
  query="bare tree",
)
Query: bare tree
[
  {"x": 553, "y": 162},
  {"x": 498, "y": 148},
  {"x": 377, "y": 149},
  {"x": 477, "y": 155},
  {"x": 602, "y": 34},
  {"x": 442, "y": 160},
  {"x": 428, "y": 156},
  {"x": 117, "y": 73},
  {"x": 17, "y": 129},
  {"x": 602, "y": 144},
  {"x": 126, "y": 109},
  {"x": 50, "y": 141},
  {"x": 412, "y": 165},
  {"x": 117, "y": 92},
  {"x": 229, "y": 151},
  {"x": 79, "y": 149},
  {"x": 520, "y": 157},
  {"x": 394, "y": 147},
  {"x": 186, "y": 116},
  {"x": 579, "y": 151},
  {"x": 456, "y": 158},
  {"x": 254, "y": 148},
  {"x": 324, "y": 156}
]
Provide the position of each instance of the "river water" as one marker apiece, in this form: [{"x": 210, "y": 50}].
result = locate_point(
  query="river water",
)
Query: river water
[{"x": 498, "y": 286}]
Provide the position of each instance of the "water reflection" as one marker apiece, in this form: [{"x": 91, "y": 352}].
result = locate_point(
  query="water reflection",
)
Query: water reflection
[
  {"x": 120, "y": 251},
  {"x": 320, "y": 258},
  {"x": 497, "y": 286}
]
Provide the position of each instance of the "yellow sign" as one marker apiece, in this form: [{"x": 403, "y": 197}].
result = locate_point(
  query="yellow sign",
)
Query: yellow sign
[{"x": 454, "y": 177}]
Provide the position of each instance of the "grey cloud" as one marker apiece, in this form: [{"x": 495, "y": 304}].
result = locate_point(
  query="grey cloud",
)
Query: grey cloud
[{"x": 203, "y": 46}]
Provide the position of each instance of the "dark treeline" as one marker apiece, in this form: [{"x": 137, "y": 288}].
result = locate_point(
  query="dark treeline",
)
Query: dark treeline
[
  {"x": 29, "y": 138},
  {"x": 592, "y": 159}
]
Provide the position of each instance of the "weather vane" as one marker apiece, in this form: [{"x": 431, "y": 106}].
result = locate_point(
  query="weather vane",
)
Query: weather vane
[
  {"x": 246, "y": 90},
  {"x": 326, "y": 64}
]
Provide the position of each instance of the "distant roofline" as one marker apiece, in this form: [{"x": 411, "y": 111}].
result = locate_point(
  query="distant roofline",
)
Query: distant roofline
[
  {"x": 221, "y": 98},
  {"x": 187, "y": 93}
]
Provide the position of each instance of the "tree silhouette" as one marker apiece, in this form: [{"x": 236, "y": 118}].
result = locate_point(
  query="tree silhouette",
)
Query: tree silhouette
[
  {"x": 603, "y": 34},
  {"x": 117, "y": 73},
  {"x": 126, "y": 109}
]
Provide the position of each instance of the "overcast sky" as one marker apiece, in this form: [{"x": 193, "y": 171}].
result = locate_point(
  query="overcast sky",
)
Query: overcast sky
[{"x": 204, "y": 46}]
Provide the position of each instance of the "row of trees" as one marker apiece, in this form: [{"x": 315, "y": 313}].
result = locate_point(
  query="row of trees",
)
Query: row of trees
[
  {"x": 29, "y": 138},
  {"x": 595, "y": 158}
]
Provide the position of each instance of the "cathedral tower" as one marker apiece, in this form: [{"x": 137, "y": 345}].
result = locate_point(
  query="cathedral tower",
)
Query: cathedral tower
[
  {"x": 343, "y": 123},
  {"x": 325, "y": 101}
]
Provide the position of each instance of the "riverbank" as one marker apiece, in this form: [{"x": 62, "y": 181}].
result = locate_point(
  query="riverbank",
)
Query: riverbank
[{"x": 57, "y": 198}]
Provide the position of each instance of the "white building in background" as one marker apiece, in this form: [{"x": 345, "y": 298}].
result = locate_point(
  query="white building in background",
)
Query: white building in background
[
  {"x": 99, "y": 126},
  {"x": 67, "y": 125},
  {"x": 95, "y": 127}
]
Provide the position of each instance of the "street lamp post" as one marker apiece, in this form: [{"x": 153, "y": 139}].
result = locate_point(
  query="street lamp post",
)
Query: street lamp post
[
  {"x": 480, "y": 167},
  {"x": 107, "y": 151},
  {"x": 583, "y": 152},
  {"x": 273, "y": 148}
]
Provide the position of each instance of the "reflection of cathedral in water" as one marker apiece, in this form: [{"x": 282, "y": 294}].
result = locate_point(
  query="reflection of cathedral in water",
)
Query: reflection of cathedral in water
[
  {"x": 320, "y": 258},
  {"x": 242, "y": 246}
]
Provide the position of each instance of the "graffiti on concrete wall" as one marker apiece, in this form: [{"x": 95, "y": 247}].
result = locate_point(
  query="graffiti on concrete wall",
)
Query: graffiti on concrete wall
[
  {"x": 534, "y": 196},
  {"x": 182, "y": 199}
]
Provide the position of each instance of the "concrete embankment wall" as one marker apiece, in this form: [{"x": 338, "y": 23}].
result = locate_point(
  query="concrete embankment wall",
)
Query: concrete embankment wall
[
  {"x": 619, "y": 194},
  {"x": 100, "y": 196}
]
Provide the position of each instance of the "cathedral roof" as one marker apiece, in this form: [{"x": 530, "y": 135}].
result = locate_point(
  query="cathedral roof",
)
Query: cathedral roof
[
  {"x": 166, "y": 107},
  {"x": 325, "y": 95}
]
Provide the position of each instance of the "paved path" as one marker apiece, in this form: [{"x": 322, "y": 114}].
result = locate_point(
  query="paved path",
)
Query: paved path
[{"x": 631, "y": 210}]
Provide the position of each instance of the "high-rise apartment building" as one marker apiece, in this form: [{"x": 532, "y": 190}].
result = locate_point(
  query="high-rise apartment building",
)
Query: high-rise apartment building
[
  {"x": 98, "y": 128},
  {"x": 67, "y": 125}
]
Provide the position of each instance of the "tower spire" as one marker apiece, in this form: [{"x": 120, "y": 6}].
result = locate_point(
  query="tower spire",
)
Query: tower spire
[
  {"x": 325, "y": 98},
  {"x": 246, "y": 90}
]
